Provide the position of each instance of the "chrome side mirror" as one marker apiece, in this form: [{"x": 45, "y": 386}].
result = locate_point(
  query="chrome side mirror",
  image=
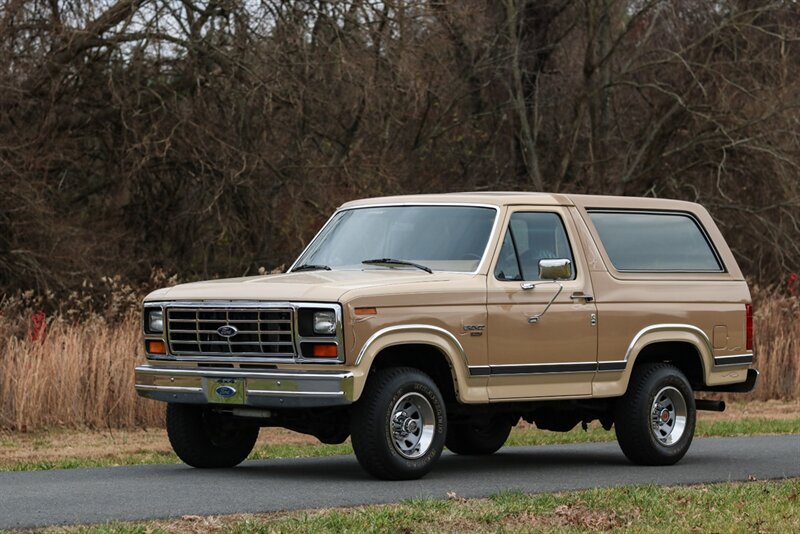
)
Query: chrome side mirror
[
  {"x": 559, "y": 269},
  {"x": 551, "y": 271}
]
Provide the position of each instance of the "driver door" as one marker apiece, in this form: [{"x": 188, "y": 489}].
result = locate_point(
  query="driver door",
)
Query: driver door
[{"x": 533, "y": 355}]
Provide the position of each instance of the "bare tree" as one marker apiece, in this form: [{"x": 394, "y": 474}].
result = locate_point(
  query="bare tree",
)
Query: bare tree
[{"x": 213, "y": 137}]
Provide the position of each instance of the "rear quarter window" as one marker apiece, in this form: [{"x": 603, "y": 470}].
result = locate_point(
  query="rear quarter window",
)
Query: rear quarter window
[{"x": 655, "y": 241}]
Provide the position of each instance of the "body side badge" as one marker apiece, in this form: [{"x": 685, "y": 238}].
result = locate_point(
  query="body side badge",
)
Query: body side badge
[{"x": 474, "y": 329}]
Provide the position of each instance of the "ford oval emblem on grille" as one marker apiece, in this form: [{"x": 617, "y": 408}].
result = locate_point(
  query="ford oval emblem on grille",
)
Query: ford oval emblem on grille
[
  {"x": 227, "y": 330},
  {"x": 225, "y": 392}
]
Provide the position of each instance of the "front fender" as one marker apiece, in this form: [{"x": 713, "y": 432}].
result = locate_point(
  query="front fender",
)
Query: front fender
[{"x": 437, "y": 337}]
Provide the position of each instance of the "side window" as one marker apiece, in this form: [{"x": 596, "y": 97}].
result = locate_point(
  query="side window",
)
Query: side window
[
  {"x": 531, "y": 237},
  {"x": 508, "y": 263},
  {"x": 655, "y": 241}
]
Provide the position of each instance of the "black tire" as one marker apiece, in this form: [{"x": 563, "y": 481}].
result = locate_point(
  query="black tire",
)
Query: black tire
[
  {"x": 374, "y": 422},
  {"x": 478, "y": 439},
  {"x": 202, "y": 438},
  {"x": 644, "y": 437}
]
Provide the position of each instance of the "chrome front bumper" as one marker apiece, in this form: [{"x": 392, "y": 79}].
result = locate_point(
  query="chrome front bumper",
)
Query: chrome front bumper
[{"x": 269, "y": 388}]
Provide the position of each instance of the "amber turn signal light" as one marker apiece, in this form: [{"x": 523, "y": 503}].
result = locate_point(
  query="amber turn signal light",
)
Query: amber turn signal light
[
  {"x": 156, "y": 347},
  {"x": 366, "y": 311},
  {"x": 325, "y": 350}
]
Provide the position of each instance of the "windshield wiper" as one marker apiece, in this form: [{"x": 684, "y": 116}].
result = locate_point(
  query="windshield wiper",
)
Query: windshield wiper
[
  {"x": 392, "y": 261},
  {"x": 311, "y": 267}
]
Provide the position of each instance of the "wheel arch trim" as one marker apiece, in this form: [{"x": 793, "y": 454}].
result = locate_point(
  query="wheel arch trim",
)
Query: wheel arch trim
[
  {"x": 376, "y": 341},
  {"x": 437, "y": 338},
  {"x": 696, "y": 336}
]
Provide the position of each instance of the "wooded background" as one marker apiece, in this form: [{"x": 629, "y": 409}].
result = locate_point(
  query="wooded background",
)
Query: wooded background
[{"x": 214, "y": 138}]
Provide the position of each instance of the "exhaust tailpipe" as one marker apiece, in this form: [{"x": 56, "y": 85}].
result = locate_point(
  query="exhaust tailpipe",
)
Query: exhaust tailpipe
[{"x": 710, "y": 405}]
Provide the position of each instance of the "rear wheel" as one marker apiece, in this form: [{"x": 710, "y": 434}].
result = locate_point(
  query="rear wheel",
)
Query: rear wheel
[
  {"x": 655, "y": 419},
  {"x": 482, "y": 438},
  {"x": 202, "y": 438},
  {"x": 398, "y": 426}
]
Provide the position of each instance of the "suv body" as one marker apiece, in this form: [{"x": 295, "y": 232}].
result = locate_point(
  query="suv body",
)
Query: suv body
[{"x": 558, "y": 309}]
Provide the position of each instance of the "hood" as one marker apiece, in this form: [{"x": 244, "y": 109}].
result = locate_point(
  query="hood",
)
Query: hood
[{"x": 314, "y": 286}]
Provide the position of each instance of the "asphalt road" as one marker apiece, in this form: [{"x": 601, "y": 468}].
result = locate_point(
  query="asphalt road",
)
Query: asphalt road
[{"x": 97, "y": 495}]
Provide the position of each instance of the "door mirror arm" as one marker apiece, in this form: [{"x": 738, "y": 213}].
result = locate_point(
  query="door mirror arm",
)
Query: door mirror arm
[{"x": 530, "y": 285}]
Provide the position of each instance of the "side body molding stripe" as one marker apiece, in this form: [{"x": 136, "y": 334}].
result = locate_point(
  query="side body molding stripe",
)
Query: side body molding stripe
[
  {"x": 735, "y": 359},
  {"x": 612, "y": 365},
  {"x": 546, "y": 368}
]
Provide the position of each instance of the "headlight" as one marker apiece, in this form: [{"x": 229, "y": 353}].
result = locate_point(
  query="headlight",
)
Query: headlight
[
  {"x": 155, "y": 321},
  {"x": 325, "y": 322}
]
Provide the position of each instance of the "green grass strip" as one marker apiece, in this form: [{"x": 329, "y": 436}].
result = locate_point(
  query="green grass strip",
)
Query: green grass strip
[{"x": 763, "y": 506}]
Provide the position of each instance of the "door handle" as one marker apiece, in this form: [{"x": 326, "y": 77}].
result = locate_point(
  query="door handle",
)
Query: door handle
[{"x": 584, "y": 296}]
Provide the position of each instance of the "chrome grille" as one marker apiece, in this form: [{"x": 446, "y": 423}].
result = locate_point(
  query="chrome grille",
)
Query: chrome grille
[{"x": 262, "y": 332}]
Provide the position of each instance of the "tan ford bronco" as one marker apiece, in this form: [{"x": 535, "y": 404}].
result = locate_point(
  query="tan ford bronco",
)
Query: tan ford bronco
[{"x": 414, "y": 323}]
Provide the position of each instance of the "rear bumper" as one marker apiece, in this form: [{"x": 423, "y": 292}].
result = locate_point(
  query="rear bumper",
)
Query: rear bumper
[{"x": 269, "y": 388}]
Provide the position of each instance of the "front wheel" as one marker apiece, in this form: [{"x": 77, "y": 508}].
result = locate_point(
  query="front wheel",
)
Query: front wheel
[
  {"x": 398, "y": 426},
  {"x": 655, "y": 419},
  {"x": 203, "y": 438}
]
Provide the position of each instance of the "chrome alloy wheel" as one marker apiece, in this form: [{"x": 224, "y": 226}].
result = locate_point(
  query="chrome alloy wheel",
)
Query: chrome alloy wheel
[
  {"x": 668, "y": 416},
  {"x": 412, "y": 425}
]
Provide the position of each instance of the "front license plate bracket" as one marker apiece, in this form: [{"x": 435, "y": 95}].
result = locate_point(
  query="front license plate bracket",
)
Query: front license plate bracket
[{"x": 226, "y": 390}]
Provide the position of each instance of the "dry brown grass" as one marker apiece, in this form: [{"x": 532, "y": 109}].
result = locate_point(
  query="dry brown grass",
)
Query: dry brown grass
[
  {"x": 777, "y": 345},
  {"x": 78, "y": 375},
  {"x": 81, "y": 374}
]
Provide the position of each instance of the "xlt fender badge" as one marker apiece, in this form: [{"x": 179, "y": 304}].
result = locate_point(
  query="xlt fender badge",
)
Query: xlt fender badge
[{"x": 474, "y": 329}]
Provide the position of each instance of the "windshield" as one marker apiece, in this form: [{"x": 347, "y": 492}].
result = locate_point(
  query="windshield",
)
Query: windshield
[{"x": 444, "y": 238}]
